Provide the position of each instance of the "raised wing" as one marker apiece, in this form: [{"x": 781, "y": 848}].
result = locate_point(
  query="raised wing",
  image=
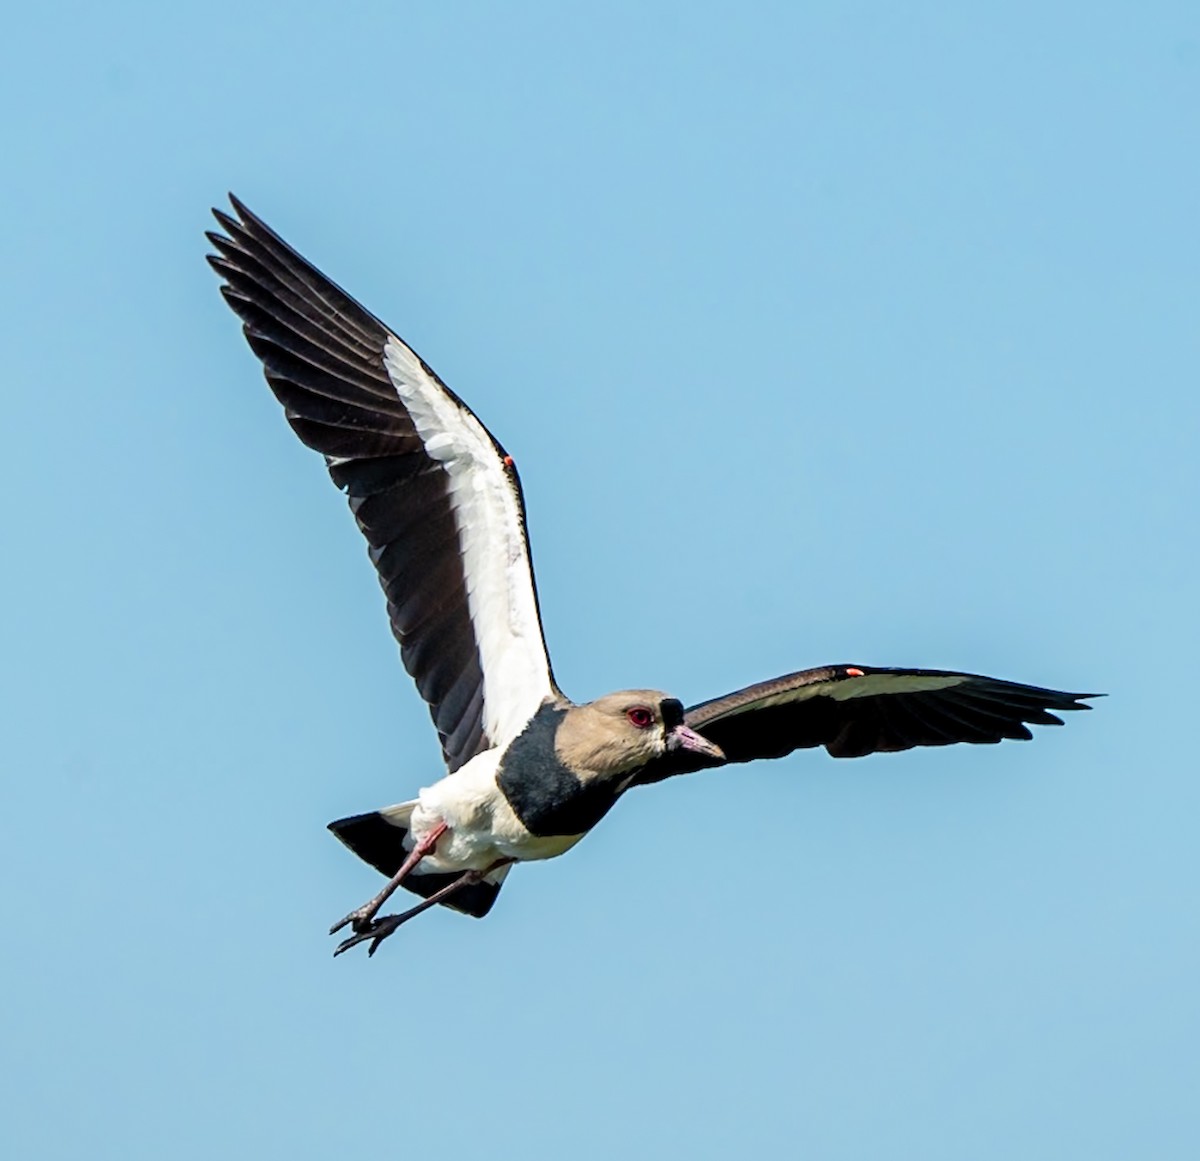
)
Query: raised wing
[
  {"x": 436, "y": 496},
  {"x": 853, "y": 710}
]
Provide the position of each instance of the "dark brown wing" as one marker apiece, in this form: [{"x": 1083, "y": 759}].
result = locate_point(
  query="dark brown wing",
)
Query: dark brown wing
[
  {"x": 433, "y": 492},
  {"x": 854, "y": 710}
]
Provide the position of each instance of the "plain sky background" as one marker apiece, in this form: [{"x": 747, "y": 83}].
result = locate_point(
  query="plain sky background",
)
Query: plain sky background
[{"x": 821, "y": 333}]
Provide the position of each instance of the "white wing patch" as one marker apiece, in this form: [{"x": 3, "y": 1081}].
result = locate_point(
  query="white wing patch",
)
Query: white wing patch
[{"x": 499, "y": 580}]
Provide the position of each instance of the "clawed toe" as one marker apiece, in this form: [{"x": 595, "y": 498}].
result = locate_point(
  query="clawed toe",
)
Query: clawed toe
[
  {"x": 367, "y": 926},
  {"x": 360, "y": 919},
  {"x": 376, "y": 931}
]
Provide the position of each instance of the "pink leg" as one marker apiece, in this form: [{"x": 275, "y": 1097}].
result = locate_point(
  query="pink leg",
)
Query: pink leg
[
  {"x": 380, "y": 929},
  {"x": 361, "y": 916}
]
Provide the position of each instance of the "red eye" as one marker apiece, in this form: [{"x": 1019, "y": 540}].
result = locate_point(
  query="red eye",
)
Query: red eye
[{"x": 640, "y": 716}]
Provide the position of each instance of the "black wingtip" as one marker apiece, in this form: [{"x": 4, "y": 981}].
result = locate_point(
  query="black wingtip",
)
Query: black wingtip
[
  {"x": 227, "y": 223},
  {"x": 239, "y": 208},
  {"x": 245, "y": 221},
  {"x": 250, "y": 225}
]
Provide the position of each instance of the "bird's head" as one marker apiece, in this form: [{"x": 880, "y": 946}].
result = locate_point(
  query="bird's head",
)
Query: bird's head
[{"x": 616, "y": 735}]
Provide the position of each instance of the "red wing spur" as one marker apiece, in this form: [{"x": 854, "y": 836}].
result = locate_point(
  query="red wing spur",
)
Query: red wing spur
[{"x": 528, "y": 771}]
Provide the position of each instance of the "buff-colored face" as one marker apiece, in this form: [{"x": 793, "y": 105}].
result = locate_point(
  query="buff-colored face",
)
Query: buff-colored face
[{"x": 620, "y": 733}]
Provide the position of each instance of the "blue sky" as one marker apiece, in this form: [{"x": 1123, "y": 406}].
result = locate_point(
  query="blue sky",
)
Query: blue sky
[{"x": 821, "y": 333}]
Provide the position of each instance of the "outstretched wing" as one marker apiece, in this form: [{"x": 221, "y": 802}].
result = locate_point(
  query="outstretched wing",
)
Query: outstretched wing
[
  {"x": 854, "y": 710},
  {"x": 435, "y": 495}
]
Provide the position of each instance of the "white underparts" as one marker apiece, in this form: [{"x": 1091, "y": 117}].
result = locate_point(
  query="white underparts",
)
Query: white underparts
[{"x": 481, "y": 825}]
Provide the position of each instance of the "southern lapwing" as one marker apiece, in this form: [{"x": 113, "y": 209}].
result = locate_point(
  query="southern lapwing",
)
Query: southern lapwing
[{"x": 529, "y": 772}]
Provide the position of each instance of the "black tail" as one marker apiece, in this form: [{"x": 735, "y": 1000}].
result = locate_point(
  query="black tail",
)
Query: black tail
[{"x": 378, "y": 838}]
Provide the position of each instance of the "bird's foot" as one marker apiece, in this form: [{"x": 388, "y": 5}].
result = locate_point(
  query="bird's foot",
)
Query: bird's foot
[
  {"x": 360, "y": 919},
  {"x": 375, "y": 930}
]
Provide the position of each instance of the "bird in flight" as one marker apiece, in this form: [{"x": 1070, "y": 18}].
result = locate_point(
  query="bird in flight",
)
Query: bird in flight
[{"x": 529, "y": 772}]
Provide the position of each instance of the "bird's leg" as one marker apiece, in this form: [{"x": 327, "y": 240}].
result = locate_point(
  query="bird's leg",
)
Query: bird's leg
[
  {"x": 380, "y": 929},
  {"x": 361, "y": 916}
]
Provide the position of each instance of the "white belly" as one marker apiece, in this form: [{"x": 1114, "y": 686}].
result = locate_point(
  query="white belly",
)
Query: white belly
[{"x": 481, "y": 826}]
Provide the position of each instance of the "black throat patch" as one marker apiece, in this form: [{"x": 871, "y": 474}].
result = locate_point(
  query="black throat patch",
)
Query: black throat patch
[{"x": 548, "y": 798}]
